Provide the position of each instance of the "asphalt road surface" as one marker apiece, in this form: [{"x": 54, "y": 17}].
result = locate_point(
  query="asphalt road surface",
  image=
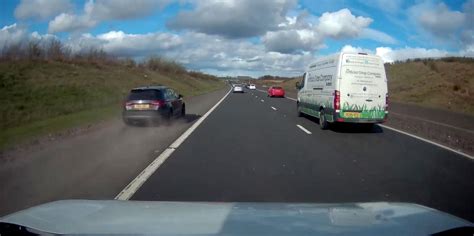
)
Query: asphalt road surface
[
  {"x": 94, "y": 165},
  {"x": 255, "y": 148}
]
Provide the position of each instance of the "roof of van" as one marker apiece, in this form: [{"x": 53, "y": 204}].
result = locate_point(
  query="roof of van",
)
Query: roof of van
[{"x": 336, "y": 55}]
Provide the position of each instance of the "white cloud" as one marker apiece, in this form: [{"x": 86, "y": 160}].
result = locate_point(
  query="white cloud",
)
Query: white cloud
[
  {"x": 306, "y": 33},
  {"x": 441, "y": 20},
  {"x": 437, "y": 19},
  {"x": 197, "y": 51},
  {"x": 290, "y": 41},
  {"x": 70, "y": 22},
  {"x": 18, "y": 35},
  {"x": 467, "y": 38},
  {"x": 120, "y": 43},
  {"x": 12, "y": 34},
  {"x": 390, "y": 55},
  {"x": 467, "y": 35},
  {"x": 391, "y": 6},
  {"x": 233, "y": 18},
  {"x": 378, "y": 36},
  {"x": 101, "y": 10},
  {"x": 350, "y": 48},
  {"x": 125, "y": 9},
  {"x": 400, "y": 54},
  {"x": 342, "y": 24},
  {"x": 41, "y": 9}
]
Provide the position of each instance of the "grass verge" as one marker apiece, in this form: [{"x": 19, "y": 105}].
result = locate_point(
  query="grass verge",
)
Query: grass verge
[
  {"x": 20, "y": 134},
  {"x": 45, "y": 97}
]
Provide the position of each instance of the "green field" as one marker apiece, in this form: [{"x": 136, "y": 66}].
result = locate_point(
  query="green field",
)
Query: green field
[{"x": 43, "y": 97}]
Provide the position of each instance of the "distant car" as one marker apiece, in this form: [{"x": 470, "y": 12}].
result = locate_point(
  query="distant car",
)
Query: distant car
[
  {"x": 152, "y": 104},
  {"x": 276, "y": 91},
  {"x": 252, "y": 87},
  {"x": 238, "y": 89}
]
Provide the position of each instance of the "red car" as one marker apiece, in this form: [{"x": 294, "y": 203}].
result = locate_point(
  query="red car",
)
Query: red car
[{"x": 276, "y": 91}]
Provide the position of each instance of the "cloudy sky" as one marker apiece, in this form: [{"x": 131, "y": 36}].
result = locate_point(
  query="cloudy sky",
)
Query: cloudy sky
[{"x": 246, "y": 37}]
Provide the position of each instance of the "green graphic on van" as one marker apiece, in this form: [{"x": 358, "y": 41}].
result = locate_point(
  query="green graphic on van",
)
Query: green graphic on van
[{"x": 363, "y": 112}]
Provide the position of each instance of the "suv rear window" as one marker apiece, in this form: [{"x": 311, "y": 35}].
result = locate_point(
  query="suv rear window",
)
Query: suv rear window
[
  {"x": 145, "y": 94},
  {"x": 276, "y": 87}
]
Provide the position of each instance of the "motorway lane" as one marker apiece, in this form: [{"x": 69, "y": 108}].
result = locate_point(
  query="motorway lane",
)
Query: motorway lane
[{"x": 247, "y": 151}]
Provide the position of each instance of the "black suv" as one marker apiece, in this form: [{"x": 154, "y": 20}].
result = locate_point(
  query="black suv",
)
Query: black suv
[{"x": 152, "y": 104}]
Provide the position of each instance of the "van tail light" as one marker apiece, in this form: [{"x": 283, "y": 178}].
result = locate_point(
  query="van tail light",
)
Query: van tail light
[
  {"x": 157, "y": 104},
  {"x": 386, "y": 101},
  {"x": 337, "y": 100}
]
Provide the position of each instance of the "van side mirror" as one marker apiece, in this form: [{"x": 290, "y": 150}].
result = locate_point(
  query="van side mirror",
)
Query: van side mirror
[
  {"x": 298, "y": 85},
  {"x": 180, "y": 96}
]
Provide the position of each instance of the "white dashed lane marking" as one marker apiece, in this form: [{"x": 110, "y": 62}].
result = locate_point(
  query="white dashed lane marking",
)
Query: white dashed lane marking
[{"x": 305, "y": 130}]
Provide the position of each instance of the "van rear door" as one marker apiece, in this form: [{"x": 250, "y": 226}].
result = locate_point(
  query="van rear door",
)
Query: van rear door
[{"x": 363, "y": 87}]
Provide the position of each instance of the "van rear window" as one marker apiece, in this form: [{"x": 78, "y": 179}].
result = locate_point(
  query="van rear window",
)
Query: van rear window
[{"x": 145, "y": 94}]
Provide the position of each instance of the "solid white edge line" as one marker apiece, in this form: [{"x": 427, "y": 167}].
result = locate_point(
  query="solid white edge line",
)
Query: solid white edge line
[
  {"x": 433, "y": 122},
  {"x": 305, "y": 130},
  {"x": 274, "y": 108},
  {"x": 428, "y": 141},
  {"x": 133, "y": 186}
]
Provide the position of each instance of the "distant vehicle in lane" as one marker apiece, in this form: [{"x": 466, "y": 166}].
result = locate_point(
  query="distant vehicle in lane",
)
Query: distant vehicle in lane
[
  {"x": 252, "y": 87},
  {"x": 152, "y": 104},
  {"x": 238, "y": 88},
  {"x": 276, "y": 91},
  {"x": 346, "y": 87}
]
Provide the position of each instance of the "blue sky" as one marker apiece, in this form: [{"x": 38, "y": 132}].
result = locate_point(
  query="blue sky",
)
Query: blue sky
[{"x": 229, "y": 37}]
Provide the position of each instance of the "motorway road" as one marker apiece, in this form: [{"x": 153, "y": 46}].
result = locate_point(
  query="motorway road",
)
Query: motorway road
[{"x": 251, "y": 149}]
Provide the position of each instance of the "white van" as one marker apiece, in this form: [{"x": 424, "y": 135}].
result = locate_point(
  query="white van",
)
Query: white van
[{"x": 346, "y": 87}]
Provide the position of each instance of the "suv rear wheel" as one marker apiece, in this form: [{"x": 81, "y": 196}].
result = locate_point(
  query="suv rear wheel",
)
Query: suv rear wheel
[{"x": 183, "y": 111}]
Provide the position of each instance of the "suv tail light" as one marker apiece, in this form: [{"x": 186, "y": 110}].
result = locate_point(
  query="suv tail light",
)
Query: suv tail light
[
  {"x": 157, "y": 104},
  {"x": 337, "y": 100},
  {"x": 128, "y": 105}
]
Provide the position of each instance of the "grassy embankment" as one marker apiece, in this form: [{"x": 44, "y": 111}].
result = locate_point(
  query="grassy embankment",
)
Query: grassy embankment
[
  {"x": 41, "y": 97},
  {"x": 446, "y": 83}
]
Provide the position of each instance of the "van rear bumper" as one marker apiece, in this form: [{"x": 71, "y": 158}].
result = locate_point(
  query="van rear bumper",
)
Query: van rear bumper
[{"x": 339, "y": 119}]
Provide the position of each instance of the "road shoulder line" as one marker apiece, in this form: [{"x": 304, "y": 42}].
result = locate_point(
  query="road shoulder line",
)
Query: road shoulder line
[
  {"x": 429, "y": 141},
  {"x": 433, "y": 122},
  {"x": 136, "y": 183}
]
